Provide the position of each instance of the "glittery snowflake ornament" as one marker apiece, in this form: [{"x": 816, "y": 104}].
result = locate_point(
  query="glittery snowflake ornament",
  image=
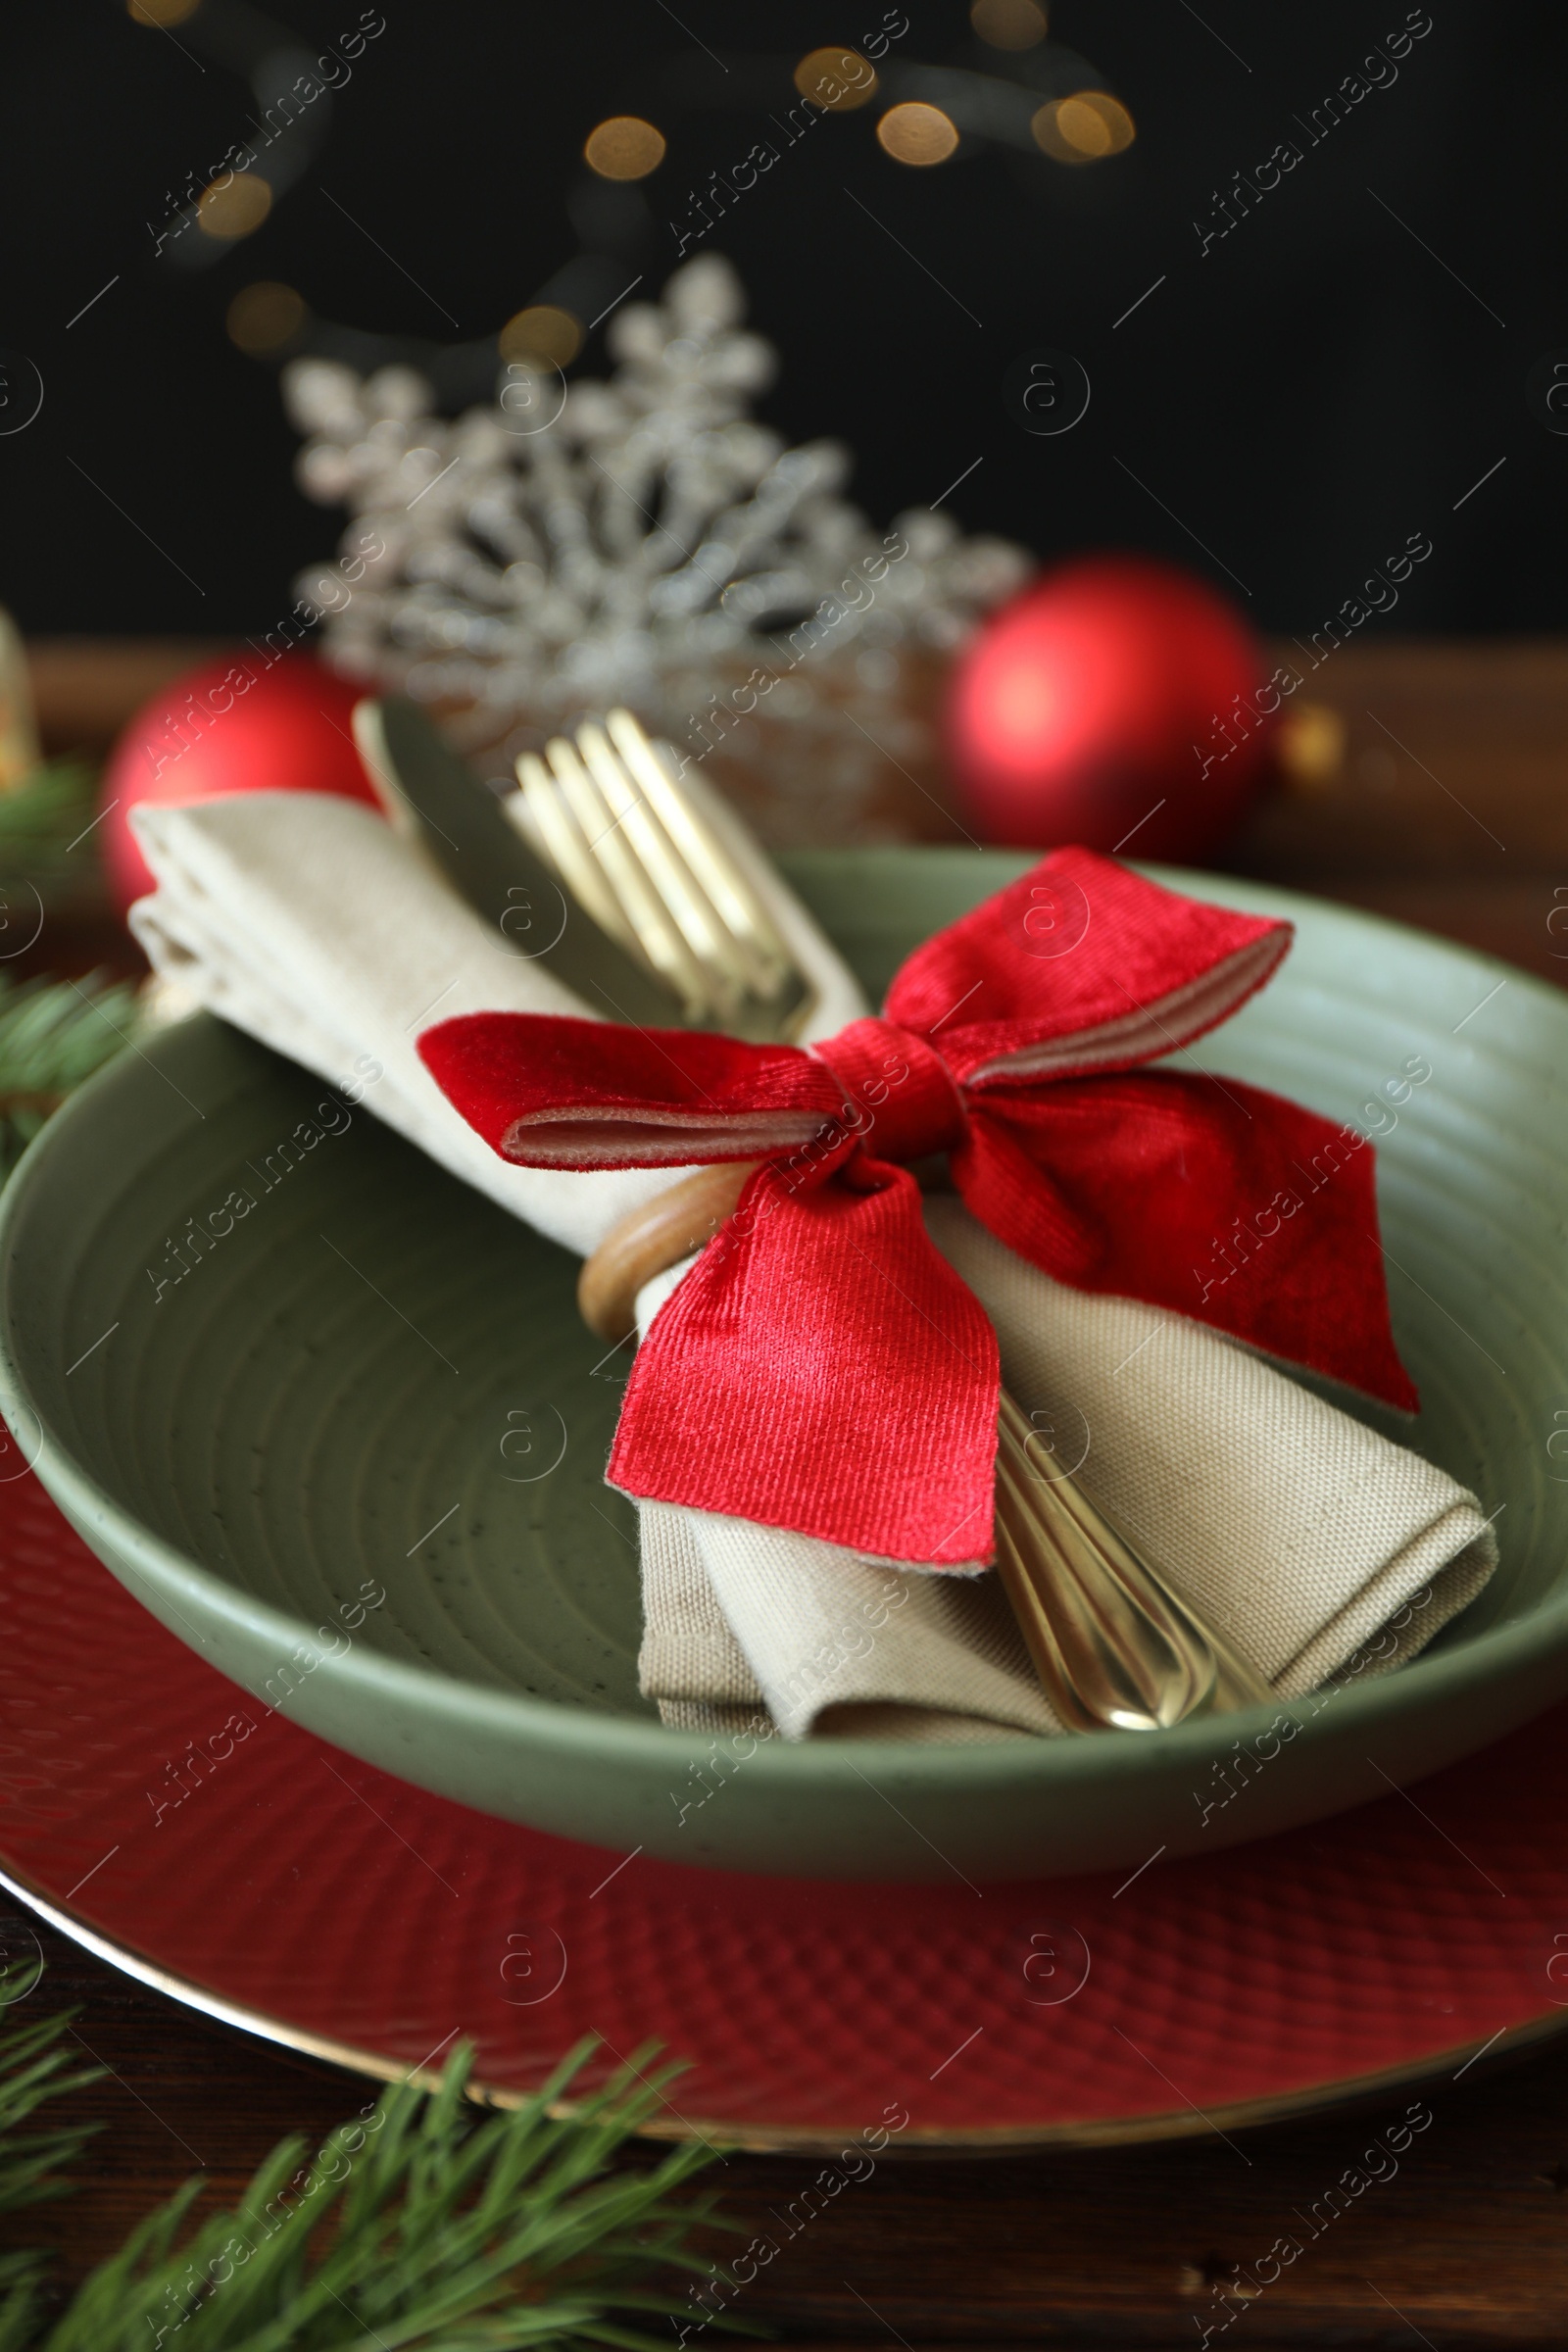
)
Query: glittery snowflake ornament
[{"x": 642, "y": 541}]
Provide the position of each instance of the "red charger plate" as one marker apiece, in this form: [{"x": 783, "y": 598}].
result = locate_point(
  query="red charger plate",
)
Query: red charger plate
[{"x": 271, "y": 1880}]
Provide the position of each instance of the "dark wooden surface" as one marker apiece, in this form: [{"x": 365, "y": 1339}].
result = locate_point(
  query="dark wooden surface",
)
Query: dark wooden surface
[{"x": 1450, "y": 808}]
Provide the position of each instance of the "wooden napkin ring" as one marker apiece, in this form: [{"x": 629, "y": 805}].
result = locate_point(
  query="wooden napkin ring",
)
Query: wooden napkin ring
[{"x": 650, "y": 1239}]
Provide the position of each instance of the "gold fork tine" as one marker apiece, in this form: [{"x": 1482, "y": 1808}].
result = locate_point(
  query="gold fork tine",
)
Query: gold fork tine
[
  {"x": 656, "y": 934},
  {"x": 566, "y": 850},
  {"x": 704, "y": 853},
  {"x": 682, "y": 897},
  {"x": 752, "y": 969}
]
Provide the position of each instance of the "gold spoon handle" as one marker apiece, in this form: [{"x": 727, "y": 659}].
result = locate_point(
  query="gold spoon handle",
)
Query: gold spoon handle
[{"x": 1115, "y": 1643}]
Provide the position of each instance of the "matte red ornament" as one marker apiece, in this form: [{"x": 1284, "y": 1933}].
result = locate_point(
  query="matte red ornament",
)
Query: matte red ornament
[
  {"x": 238, "y": 724},
  {"x": 1113, "y": 703}
]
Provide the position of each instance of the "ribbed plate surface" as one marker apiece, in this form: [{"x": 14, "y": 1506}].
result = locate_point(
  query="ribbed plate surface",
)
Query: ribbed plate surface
[{"x": 334, "y": 1907}]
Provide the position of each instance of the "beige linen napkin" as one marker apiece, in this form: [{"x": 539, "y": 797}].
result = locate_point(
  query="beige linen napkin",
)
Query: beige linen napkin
[
  {"x": 306, "y": 920},
  {"x": 1299, "y": 1532}
]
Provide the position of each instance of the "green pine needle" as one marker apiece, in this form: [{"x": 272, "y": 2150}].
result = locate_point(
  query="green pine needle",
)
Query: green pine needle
[
  {"x": 54, "y": 1034},
  {"x": 424, "y": 2226},
  {"x": 41, "y": 823},
  {"x": 428, "y": 2223},
  {"x": 34, "y": 2068}
]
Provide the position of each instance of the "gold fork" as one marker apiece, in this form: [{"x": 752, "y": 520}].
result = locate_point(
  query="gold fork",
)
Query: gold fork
[
  {"x": 1114, "y": 1642},
  {"x": 659, "y": 877}
]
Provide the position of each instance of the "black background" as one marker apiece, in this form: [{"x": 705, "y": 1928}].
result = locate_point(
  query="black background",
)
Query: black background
[{"x": 1321, "y": 384}]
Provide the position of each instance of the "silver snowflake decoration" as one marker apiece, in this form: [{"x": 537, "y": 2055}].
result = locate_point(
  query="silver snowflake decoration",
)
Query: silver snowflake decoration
[{"x": 642, "y": 541}]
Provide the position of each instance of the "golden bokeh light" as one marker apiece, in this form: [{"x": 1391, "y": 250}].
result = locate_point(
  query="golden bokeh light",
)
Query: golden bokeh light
[
  {"x": 1309, "y": 747},
  {"x": 266, "y": 317},
  {"x": 838, "y": 80},
  {"x": 160, "y": 12},
  {"x": 235, "y": 206},
  {"x": 1009, "y": 24},
  {"x": 625, "y": 148},
  {"x": 915, "y": 133},
  {"x": 541, "y": 333},
  {"x": 1083, "y": 128}
]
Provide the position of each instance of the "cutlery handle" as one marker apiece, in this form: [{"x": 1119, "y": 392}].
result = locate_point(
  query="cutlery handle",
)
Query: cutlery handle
[{"x": 1115, "y": 1643}]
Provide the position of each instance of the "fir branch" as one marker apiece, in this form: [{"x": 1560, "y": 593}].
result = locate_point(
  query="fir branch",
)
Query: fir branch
[
  {"x": 425, "y": 2224},
  {"x": 42, "y": 820},
  {"x": 54, "y": 1034},
  {"x": 34, "y": 2069}
]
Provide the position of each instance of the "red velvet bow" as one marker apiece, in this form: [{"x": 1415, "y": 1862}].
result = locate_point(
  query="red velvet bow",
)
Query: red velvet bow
[{"x": 821, "y": 1367}]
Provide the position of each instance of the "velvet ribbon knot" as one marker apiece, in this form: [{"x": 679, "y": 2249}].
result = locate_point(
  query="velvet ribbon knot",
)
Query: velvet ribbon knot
[{"x": 821, "y": 1367}]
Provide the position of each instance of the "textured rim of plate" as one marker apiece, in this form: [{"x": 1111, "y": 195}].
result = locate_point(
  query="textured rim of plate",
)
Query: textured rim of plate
[
  {"x": 1046, "y": 1764},
  {"x": 1181, "y": 2123}
]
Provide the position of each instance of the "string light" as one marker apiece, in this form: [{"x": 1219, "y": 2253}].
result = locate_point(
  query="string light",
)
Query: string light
[
  {"x": 161, "y": 12},
  {"x": 265, "y": 316},
  {"x": 1009, "y": 24},
  {"x": 916, "y": 134},
  {"x": 838, "y": 80},
  {"x": 1309, "y": 746},
  {"x": 1083, "y": 128},
  {"x": 542, "y": 332},
  {"x": 234, "y": 207},
  {"x": 624, "y": 147}
]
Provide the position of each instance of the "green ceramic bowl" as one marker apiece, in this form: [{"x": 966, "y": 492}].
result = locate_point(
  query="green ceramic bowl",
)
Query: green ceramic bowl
[{"x": 376, "y": 1381}]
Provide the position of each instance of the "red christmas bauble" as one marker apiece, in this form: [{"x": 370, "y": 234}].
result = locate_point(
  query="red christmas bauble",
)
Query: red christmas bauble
[
  {"x": 239, "y": 724},
  {"x": 1115, "y": 701}
]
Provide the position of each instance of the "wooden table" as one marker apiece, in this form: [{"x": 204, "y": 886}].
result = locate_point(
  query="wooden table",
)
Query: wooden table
[{"x": 1450, "y": 808}]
